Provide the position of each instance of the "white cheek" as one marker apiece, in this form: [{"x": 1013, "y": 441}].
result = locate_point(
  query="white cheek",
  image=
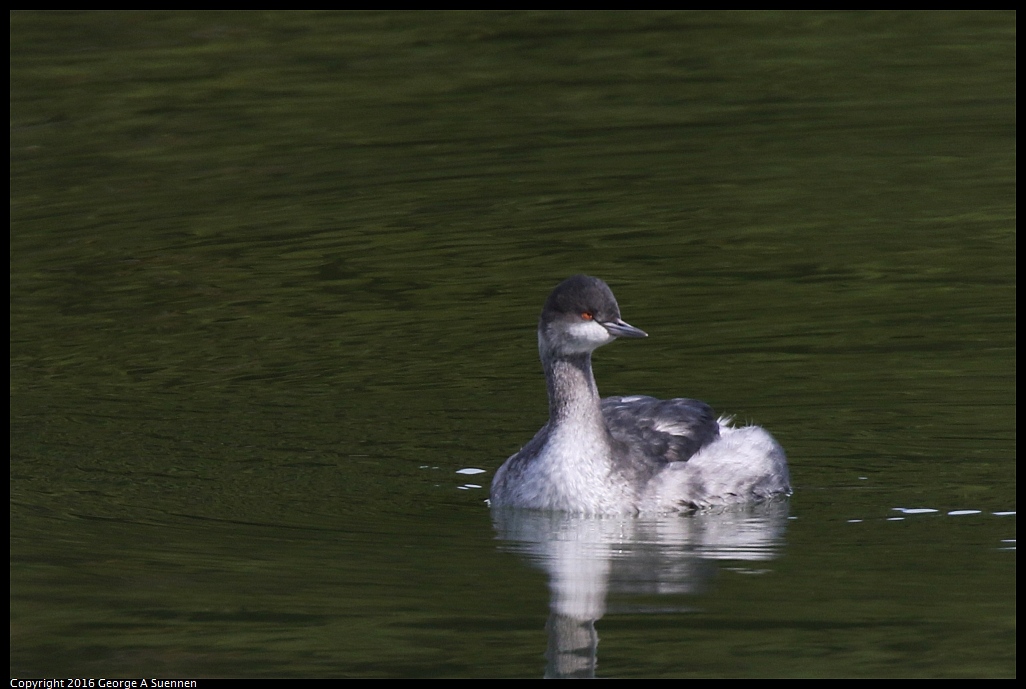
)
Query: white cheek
[{"x": 588, "y": 335}]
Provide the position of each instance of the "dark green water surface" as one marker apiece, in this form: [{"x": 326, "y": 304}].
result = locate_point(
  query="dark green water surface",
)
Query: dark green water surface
[{"x": 275, "y": 278}]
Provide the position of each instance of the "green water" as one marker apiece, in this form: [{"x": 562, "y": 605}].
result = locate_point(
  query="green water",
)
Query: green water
[{"x": 275, "y": 276}]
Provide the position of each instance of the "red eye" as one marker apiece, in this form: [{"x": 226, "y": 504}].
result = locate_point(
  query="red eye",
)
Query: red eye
[{"x": 587, "y": 315}]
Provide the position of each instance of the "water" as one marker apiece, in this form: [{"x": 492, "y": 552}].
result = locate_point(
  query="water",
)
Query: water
[{"x": 275, "y": 278}]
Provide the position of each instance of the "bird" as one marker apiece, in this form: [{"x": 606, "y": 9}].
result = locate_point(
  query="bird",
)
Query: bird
[{"x": 633, "y": 454}]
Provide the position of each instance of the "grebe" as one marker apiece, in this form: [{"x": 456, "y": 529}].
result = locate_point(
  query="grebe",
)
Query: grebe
[{"x": 626, "y": 455}]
